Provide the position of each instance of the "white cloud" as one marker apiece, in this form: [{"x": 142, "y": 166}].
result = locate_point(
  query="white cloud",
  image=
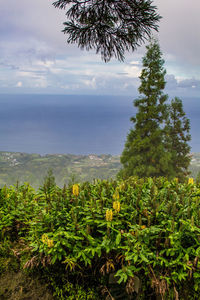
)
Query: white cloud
[
  {"x": 132, "y": 70},
  {"x": 90, "y": 83},
  {"x": 19, "y": 84},
  {"x": 135, "y": 63}
]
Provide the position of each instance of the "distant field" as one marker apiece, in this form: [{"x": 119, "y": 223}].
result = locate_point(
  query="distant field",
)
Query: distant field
[{"x": 32, "y": 168}]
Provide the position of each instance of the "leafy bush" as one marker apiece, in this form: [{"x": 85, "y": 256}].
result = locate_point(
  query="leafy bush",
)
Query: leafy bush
[{"x": 144, "y": 233}]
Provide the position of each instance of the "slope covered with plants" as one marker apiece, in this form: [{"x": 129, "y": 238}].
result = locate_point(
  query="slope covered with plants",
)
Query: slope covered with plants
[
  {"x": 114, "y": 239},
  {"x": 32, "y": 168}
]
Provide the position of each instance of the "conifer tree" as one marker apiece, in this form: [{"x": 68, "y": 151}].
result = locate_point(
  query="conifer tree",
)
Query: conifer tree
[
  {"x": 49, "y": 182},
  {"x": 177, "y": 137},
  {"x": 111, "y": 27},
  {"x": 144, "y": 154}
]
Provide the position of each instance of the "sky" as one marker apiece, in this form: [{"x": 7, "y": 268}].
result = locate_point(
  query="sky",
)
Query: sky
[{"x": 35, "y": 57}]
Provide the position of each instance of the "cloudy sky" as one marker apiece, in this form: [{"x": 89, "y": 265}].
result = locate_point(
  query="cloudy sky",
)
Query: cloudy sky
[{"x": 35, "y": 58}]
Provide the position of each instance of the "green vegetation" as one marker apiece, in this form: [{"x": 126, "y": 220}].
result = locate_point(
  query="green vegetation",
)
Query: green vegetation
[
  {"x": 144, "y": 153},
  {"x": 158, "y": 143},
  {"x": 137, "y": 238},
  {"x": 32, "y": 168},
  {"x": 120, "y": 239},
  {"x": 22, "y": 167},
  {"x": 177, "y": 138}
]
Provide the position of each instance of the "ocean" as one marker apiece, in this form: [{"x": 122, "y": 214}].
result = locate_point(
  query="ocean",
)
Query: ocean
[{"x": 74, "y": 124}]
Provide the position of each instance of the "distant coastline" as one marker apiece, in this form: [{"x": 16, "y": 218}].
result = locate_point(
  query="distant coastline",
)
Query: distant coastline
[{"x": 24, "y": 167}]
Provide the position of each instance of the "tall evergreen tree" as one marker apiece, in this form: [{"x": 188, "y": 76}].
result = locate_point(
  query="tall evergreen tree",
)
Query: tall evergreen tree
[
  {"x": 144, "y": 154},
  {"x": 177, "y": 138}
]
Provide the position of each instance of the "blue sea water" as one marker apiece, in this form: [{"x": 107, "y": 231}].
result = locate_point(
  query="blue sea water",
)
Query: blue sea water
[{"x": 75, "y": 124}]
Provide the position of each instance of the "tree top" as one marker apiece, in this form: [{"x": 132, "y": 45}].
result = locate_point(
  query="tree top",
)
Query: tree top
[{"x": 111, "y": 27}]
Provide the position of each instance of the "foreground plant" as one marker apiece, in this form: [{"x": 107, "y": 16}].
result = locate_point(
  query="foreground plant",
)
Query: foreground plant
[{"x": 144, "y": 240}]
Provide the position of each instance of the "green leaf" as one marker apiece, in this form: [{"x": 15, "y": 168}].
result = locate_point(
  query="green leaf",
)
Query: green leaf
[
  {"x": 144, "y": 258},
  {"x": 135, "y": 258},
  {"x": 118, "y": 238}
]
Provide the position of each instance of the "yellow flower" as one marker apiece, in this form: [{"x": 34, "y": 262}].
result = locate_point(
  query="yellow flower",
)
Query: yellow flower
[
  {"x": 116, "y": 206},
  {"x": 155, "y": 190},
  {"x": 143, "y": 227},
  {"x": 75, "y": 190},
  {"x": 122, "y": 187},
  {"x": 190, "y": 181},
  {"x": 47, "y": 241},
  {"x": 109, "y": 215},
  {"x": 50, "y": 243},
  {"x": 176, "y": 180},
  {"x": 44, "y": 238},
  {"x": 116, "y": 195}
]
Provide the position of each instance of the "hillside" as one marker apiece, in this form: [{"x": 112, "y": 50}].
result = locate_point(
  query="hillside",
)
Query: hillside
[
  {"x": 195, "y": 164},
  {"x": 32, "y": 168}
]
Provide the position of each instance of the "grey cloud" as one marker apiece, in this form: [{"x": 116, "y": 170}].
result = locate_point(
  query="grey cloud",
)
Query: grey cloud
[
  {"x": 36, "y": 72},
  {"x": 36, "y": 19},
  {"x": 189, "y": 83},
  {"x": 31, "y": 32},
  {"x": 9, "y": 66},
  {"x": 178, "y": 34},
  {"x": 172, "y": 83},
  {"x": 122, "y": 73},
  {"x": 117, "y": 85},
  {"x": 179, "y": 29},
  {"x": 15, "y": 56}
]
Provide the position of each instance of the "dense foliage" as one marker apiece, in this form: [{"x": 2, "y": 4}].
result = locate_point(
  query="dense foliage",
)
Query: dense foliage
[
  {"x": 107, "y": 238},
  {"x": 110, "y": 27},
  {"x": 177, "y": 138},
  {"x": 144, "y": 152},
  {"x": 157, "y": 145}
]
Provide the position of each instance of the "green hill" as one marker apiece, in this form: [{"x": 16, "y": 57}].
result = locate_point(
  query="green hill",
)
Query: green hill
[{"x": 32, "y": 168}]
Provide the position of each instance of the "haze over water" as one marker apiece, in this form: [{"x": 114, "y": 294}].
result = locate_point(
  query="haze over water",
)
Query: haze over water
[{"x": 48, "y": 124}]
